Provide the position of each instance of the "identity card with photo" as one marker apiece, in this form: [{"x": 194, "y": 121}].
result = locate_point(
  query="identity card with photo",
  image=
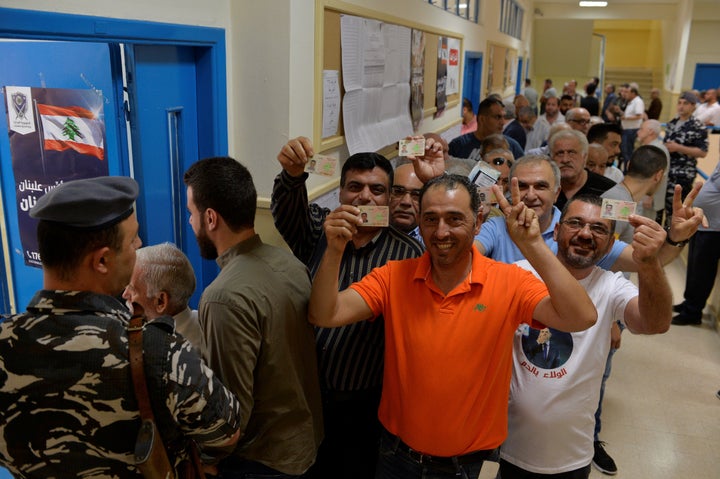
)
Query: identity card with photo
[
  {"x": 484, "y": 175},
  {"x": 617, "y": 209},
  {"x": 412, "y": 147},
  {"x": 374, "y": 215},
  {"x": 321, "y": 165}
]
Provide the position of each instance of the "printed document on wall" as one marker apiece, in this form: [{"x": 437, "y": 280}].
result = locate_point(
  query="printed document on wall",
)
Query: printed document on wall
[
  {"x": 376, "y": 77},
  {"x": 331, "y": 103}
]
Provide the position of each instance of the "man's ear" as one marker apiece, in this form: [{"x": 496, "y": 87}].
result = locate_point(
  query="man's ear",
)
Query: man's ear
[
  {"x": 211, "y": 218},
  {"x": 162, "y": 302},
  {"x": 99, "y": 259}
]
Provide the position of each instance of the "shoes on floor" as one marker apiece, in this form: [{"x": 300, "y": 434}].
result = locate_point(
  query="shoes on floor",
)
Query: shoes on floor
[
  {"x": 683, "y": 319},
  {"x": 717, "y": 394},
  {"x": 602, "y": 460},
  {"x": 678, "y": 308}
]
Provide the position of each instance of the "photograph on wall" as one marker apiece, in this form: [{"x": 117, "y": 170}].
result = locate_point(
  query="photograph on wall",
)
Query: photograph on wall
[
  {"x": 56, "y": 135},
  {"x": 442, "y": 64},
  {"x": 417, "y": 78}
]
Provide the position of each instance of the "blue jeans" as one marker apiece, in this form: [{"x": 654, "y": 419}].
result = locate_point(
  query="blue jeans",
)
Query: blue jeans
[
  {"x": 396, "y": 463},
  {"x": 606, "y": 375}
]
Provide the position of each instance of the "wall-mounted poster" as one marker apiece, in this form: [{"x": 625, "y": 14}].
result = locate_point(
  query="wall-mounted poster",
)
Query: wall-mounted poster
[
  {"x": 417, "y": 78},
  {"x": 442, "y": 64},
  {"x": 453, "y": 68},
  {"x": 56, "y": 135}
]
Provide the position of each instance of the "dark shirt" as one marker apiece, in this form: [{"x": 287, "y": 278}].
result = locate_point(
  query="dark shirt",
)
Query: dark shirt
[
  {"x": 595, "y": 185},
  {"x": 67, "y": 403},
  {"x": 591, "y": 104},
  {"x": 350, "y": 358},
  {"x": 468, "y": 146},
  {"x": 516, "y": 131},
  {"x": 653, "y": 112},
  {"x": 609, "y": 101}
]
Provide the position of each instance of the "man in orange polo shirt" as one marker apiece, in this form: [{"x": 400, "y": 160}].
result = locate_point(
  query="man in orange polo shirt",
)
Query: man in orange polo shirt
[{"x": 450, "y": 318}]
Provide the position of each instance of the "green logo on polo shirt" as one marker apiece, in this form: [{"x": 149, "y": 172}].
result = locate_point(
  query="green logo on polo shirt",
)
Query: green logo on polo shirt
[{"x": 479, "y": 307}]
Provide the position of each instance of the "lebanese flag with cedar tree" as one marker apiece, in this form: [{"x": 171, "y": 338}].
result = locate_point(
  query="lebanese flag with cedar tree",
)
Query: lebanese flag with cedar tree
[{"x": 72, "y": 128}]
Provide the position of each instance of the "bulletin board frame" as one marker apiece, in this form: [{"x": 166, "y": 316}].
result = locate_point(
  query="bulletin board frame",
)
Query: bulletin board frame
[
  {"x": 328, "y": 57},
  {"x": 502, "y": 64}
]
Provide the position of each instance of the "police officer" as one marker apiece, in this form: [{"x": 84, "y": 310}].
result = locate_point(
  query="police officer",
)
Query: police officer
[{"x": 67, "y": 403}]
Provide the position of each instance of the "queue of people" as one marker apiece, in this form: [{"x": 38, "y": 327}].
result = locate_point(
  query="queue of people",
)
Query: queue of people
[{"x": 332, "y": 359}]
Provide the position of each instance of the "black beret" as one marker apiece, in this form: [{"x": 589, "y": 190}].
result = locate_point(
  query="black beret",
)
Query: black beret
[{"x": 92, "y": 204}]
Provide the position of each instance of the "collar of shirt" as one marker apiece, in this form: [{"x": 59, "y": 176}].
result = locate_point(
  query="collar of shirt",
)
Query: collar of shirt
[{"x": 242, "y": 247}]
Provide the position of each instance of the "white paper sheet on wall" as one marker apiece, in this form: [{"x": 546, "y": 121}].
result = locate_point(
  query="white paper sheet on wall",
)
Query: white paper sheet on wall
[
  {"x": 331, "y": 102},
  {"x": 376, "y": 77}
]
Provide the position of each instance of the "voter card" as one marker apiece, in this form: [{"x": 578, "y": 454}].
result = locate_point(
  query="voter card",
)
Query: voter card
[
  {"x": 617, "y": 209},
  {"x": 484, "y": 175},
  {"x": 486, "y": 195},
  {"x": 412, "y": 147},
  {"x": 374, "y": 215},
  {"x": 321, "y": 165}
]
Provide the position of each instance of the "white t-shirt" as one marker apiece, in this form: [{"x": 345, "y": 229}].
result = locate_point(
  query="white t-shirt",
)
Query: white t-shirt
[
  {"x": 710, "y": 113},
  {"x": 551, "y": 416},
  {"x": 635, "y": 107}
]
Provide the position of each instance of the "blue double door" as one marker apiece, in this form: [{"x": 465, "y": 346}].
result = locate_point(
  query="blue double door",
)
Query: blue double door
[{"x": 150, "y": 102}]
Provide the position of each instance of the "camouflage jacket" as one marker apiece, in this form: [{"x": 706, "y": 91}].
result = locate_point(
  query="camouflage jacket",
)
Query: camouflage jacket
[
  {"x": 67, "y": 404},
  {"x": 683, "y": 168}
]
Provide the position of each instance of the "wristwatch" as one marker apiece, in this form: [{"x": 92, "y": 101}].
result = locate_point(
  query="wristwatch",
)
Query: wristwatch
[{"x": 677, "y": 244}]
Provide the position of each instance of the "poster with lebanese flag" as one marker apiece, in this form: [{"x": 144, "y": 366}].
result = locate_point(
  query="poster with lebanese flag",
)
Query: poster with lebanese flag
[
  {"x": 72, "y": 127},
  {"x": 56, "y": 135}
]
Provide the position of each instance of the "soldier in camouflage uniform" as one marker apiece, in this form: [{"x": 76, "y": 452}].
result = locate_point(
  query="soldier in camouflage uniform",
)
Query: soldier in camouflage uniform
[
  {"x": 67, "y": 403},
  {"x": 686, "y": 140}
]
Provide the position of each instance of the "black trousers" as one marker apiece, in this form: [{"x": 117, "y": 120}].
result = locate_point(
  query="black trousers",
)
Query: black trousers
[{"x": 703, "y": 257}]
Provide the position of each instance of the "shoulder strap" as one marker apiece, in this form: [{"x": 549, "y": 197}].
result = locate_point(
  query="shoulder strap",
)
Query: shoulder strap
[{"x": 135, "y": 347}]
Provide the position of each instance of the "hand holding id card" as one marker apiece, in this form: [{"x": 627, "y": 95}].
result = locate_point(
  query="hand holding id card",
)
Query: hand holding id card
[
  {"x": 321, "y": 165},
  {"x": 618, "y": 210}
]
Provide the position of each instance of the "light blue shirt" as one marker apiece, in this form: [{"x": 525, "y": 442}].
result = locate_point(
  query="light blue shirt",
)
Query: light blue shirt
[{"x": 499, "y": 246}]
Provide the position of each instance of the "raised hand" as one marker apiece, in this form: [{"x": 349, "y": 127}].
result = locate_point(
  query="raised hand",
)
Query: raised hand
[
  {"x": 340, "y": 226},
  {"x": 686, "y": 219},
  {"x": 648, "y": 238},
  {"x": 522, "y": 222},
  {"x": 430, "y": 165},
  {"x": 294, "y": 155}
]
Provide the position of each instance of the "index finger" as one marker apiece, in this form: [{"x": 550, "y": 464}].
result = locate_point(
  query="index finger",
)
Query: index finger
[
  {"x": 515, "y": 191},
  {"x": 502, "y": 201},
  {"x": 677, "y": 199}
]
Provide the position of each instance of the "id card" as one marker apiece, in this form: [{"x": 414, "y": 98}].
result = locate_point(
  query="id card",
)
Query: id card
[
  {"x": 321, "y": 165},
  {"x": 374, "y": 215},
  {"x": 617, "y": 209},
  {"x": 411, "y": 147}
]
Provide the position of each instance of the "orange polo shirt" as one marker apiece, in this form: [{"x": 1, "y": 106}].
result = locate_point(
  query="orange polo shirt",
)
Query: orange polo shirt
[{"x": 448, "y": 359}]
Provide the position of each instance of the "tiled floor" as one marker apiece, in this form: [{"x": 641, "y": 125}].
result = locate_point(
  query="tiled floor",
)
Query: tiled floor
[{"x": 661, "y": 419}]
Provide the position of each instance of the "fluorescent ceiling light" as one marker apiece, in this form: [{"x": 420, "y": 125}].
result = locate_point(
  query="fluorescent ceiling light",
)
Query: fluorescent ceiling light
[
  {"x": 593, "y": 4},
  {"x": 463, "y": 5}
]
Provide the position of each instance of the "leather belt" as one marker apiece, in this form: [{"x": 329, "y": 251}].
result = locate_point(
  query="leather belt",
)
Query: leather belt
[{"x": 439, "y": 462}]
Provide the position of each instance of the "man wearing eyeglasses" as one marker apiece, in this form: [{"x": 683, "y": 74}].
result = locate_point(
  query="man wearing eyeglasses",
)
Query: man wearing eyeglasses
[
  {"x": 405, "y": 201},
  {"x": 350, "y": 359},
  {"x": 560, "y": 440},
  {"x": 578, "y": 119},
  {"x": 490, "y": 116},
  {"x": 569, "y": 150}
]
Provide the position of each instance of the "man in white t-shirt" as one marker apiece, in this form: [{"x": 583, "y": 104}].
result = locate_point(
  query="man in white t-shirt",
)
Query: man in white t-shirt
[
  {"x": 551, "y": 411},
  {"x": 709, "y": 112},
  {"x": 631, "y": 120}
]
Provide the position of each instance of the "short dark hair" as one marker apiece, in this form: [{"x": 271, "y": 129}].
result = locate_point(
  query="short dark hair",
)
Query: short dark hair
[
  {"x": 493, "y": 142},
  {"x": 567, "y": 97},
  {"x": 364, "y": 162},
  {"x": 590, "y": 88},
  {"x": 486, "y": 105},
  {"x": 467, "y": 104},
  {"x": 226, "y": 186},
  {"x": 63, "y": 247},
  {"x": 591, "y": 199},
  {"x": 599, "y": 132},
  {"x": 452, "y": 182},
  {"x": 646, "y": 161}
]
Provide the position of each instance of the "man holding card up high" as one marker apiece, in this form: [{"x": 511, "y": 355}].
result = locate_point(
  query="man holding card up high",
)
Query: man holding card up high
[
  {"x": 350, "y": 359},
  {"x": 449, "y": 319}
]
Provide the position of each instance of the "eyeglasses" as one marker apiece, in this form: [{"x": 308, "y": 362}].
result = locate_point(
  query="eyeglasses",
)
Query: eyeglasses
[
  {"x": 597, "y": 229},
  {"x": 580, "y": 122},
  {"x": 399, "y": 191}
]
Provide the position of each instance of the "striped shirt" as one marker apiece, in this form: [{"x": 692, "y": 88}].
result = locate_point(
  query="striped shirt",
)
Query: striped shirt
[{"x": 350, "y": 357}]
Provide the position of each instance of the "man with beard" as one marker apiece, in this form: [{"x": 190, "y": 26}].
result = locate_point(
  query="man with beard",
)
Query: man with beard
[
  {"x": 254, "y": 322},
  {"x": 550, "y": 426}
]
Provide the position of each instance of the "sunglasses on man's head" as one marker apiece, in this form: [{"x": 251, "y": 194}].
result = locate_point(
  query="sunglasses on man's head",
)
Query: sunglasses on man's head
[{"x": 499, "y": 161}]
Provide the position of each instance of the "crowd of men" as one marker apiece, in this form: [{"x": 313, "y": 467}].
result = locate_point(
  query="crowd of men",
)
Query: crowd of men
[{"x": 368, "y": 351}]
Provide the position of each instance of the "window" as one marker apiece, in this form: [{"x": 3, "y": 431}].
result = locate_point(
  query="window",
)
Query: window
[
  {"x": 467, "y": 9},
  {"x": 511, "y": 18}
]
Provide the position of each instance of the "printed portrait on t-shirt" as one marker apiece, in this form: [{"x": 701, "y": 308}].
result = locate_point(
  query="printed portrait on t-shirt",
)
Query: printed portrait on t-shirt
[{"x": 546, "y": 348}]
